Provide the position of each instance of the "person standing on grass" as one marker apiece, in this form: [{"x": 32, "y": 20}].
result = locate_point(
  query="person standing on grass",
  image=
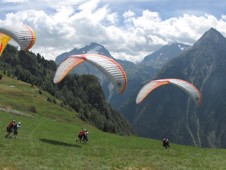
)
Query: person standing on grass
[
  {"x": 85, "y": 136},
  {"x": 165, "y": 142},
  {"x": 15, "y": 129},
  {"x": 80, "y": 135},
  {"x": 9, "y": 128}
]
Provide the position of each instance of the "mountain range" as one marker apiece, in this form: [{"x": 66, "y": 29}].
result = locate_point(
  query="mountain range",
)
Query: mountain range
[{"x": 160, "y": 57}]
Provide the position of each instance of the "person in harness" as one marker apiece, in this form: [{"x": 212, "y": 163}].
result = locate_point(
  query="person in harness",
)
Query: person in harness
[
  {"x": 80, "y": 135},
  {"x": 9, "y": 128},
  {"x": 85, "y": 137},
  {"x": 15, "y": 129},
  {"x": 165, "y": 143}
]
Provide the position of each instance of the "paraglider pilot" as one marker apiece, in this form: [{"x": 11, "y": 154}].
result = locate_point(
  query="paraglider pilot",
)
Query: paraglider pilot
[
  {"x": 9, "y": 128},
  {"x": 15, "y": 129},
  {"x": 165, "y": 143}
]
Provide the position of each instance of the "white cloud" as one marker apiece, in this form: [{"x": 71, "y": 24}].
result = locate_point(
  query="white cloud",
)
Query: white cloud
[
  {"x": 69, "y": 24},
  {"x": 128, "y": 14},
  {"x": 223, "y": 17},
  {"x": 14, "y": 1},
  {"x": 112, "y": 18}
]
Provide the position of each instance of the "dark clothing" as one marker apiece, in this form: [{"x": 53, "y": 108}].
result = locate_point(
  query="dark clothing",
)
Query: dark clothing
[
  {"x": 80, "y": 136},
  {"x": 165, "y": 143},
  {"x": 15, "y": 128},
  {"x": 85, "y": 137},
  {"x": 9, "y": 128}
]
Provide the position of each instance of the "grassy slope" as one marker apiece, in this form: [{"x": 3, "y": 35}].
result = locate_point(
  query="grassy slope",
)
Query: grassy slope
[{"x": 47, "y": 140}]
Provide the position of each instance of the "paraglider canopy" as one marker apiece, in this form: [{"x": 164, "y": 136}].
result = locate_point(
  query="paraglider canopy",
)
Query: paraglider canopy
[
  {"x": 187, "y": 87},
  {"x": 22, "y": 34},
  {"x": 106, "y": 65}
]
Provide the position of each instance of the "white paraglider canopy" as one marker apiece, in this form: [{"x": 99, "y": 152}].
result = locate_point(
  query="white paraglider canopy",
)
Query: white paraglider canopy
[
  {"x": 187, "y": 87},
  {"x": 22, "y": 34},
  {"x": 106, "y": 65}
]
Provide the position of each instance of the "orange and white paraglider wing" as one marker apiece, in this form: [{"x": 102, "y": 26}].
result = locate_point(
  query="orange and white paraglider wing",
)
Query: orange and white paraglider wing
[
  {"x": 189, "y": 88},
  {"x": 66, "y": 66},
  {"x": 106, "y": 65},
  {"x": 22, "y": 34},
  {"x": 148, "y": 88},
  {"x": 111, "y": 69},
  {"x": 27, "y": 41},
  {"x": 4, "y": 39}
]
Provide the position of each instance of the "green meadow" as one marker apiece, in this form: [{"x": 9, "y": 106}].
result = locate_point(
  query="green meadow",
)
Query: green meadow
[{"x": 46, "y": 140}]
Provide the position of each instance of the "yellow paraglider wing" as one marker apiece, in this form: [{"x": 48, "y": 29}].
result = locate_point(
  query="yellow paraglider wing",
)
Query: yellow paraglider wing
[{"x": 4, "y": 39}]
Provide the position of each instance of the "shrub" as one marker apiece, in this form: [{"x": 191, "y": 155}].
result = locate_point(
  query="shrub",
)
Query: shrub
[{"x": 32, "y": 109}]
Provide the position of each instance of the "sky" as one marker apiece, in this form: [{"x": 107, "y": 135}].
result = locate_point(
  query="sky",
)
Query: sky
[{"x": 128, "y": 29}]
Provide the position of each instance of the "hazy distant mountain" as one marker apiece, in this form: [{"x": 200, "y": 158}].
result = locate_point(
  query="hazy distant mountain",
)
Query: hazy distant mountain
[
  {"x": 168, "y": 111},
  {"x": 160, "y": 57}
]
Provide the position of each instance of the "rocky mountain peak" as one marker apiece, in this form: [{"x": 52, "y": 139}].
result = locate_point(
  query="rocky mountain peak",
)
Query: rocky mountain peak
[
  {"x": 160, "y": 57},
  {"x": 211, "y": 38},
  {"x": 95, "y": 48}
]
